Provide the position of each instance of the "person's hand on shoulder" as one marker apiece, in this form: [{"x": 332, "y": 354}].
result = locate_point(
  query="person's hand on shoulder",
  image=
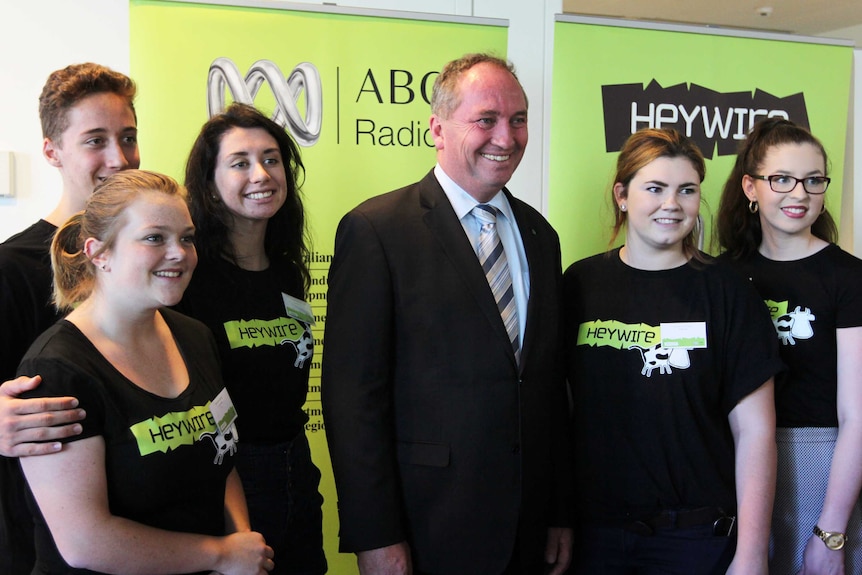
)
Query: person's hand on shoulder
[{"x": 32, "y": 426}]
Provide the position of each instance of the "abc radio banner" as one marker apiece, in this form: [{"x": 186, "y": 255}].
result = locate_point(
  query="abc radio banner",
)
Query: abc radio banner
[
  {"x": 352, "y": 87},
  {"x": 612, "y": 78}
]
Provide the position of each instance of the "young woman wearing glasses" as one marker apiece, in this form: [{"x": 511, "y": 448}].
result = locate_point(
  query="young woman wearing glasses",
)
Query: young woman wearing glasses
[{"x": 774, "y": 227}]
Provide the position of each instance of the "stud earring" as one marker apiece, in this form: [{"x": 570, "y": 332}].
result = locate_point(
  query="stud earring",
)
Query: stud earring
[
  {"x": 622, "y": 207},
  {"x": 753, "y": 207}
]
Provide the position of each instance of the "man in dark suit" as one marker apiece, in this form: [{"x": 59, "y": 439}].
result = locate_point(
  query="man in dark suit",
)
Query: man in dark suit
[{"x": 443, "y": 398}]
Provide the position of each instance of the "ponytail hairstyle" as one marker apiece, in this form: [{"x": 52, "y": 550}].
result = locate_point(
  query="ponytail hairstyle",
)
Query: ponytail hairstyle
[
  {"x": 738, "y": 229},
  {"x": 102, "y": 219}
]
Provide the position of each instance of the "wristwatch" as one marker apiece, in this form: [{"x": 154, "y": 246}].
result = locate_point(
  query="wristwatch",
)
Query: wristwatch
[{"x": 834, "y": 541}]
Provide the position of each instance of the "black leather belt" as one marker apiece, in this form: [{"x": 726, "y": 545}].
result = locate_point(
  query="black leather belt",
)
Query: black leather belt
[{"x": 683, "y": 519}]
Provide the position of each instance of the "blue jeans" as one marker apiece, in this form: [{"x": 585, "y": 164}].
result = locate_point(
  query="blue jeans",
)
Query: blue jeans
[
  {"x": 615, "y": 551},
  {"x": 284, "y": 504}
]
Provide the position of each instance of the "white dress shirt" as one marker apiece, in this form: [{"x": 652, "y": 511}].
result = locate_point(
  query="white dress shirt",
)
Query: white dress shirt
[{"x": 507, "y": 228}]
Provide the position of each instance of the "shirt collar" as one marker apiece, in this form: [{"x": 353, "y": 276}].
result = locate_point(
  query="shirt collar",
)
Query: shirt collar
[{"x": 462, "y": 202}]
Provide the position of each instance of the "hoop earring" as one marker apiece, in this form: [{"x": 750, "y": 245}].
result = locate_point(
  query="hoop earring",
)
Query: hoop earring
[{"x": 753, "y": 207}]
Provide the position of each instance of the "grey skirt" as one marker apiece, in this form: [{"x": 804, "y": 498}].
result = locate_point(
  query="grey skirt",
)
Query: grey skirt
[{"x": 804, "y": 459}]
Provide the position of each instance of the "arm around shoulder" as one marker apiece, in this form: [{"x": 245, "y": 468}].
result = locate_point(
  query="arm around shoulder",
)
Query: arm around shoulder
[{"x": 32, "y": 426}]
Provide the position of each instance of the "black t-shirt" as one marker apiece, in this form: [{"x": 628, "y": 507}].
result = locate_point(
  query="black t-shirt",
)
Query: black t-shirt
[
  {"x": 266, "y": 354},
  {"x": 808, "y": 300},
  {"x": 25, "y": 293},
  {"x": 657, "y": 360},
  {"x": 25, "y": 312},
  {"x": 166, "y": 464}
]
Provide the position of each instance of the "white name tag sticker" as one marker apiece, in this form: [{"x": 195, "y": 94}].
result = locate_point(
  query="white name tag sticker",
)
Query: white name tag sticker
[
  {"x": 223, "y": 411},
  {"x": 298, "y": 309},
  {"x": 689, "y": 335}
]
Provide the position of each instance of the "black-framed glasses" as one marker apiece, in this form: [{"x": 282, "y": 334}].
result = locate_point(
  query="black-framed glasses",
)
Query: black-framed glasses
[{"x": 784, "y": 184}]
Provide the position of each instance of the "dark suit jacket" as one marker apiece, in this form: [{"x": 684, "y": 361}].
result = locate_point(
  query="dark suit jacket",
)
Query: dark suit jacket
[{"x": 436, "y": 436}]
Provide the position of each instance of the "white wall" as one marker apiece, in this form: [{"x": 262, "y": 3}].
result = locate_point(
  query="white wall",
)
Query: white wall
[{"x": 37, "y": 37}]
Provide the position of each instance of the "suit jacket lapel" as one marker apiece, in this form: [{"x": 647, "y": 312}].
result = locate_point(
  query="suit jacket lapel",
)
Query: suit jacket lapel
[
  {"x": 533, "y": 252},
  {"x": 445, "y": 226}
]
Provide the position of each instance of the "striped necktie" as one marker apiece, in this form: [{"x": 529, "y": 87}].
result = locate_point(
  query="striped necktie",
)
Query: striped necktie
[{"x": 496, "y": 268}]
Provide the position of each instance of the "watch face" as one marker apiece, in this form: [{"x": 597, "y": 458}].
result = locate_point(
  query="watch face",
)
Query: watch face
[{"x": 835, "y": 541}]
